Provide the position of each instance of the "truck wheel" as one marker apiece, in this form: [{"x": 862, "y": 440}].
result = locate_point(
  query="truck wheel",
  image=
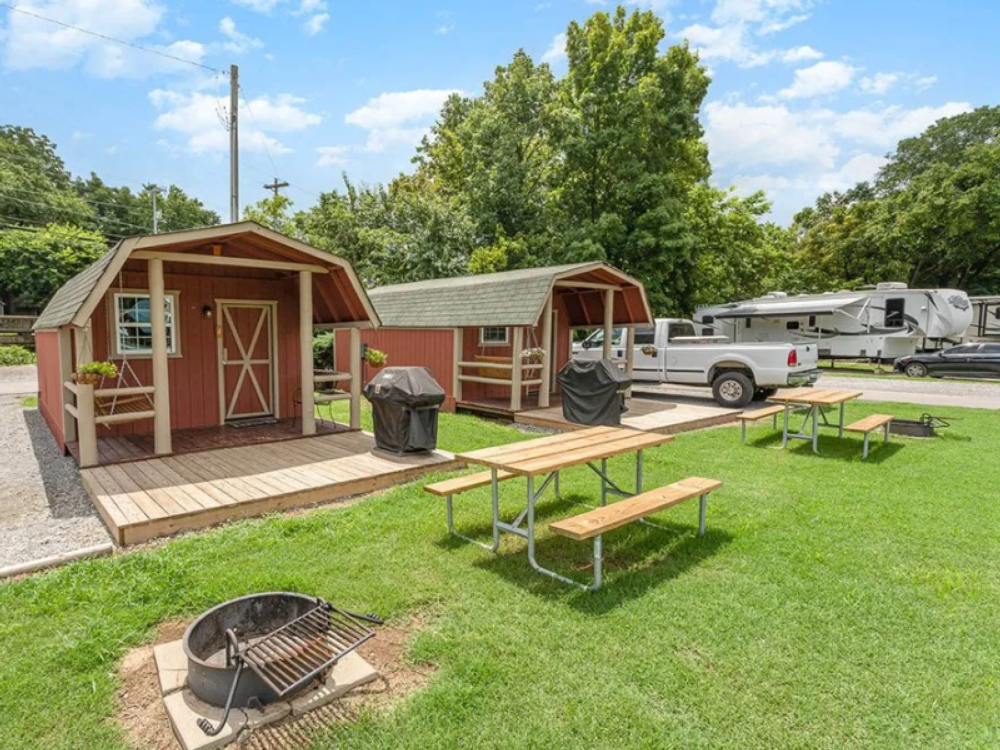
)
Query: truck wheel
[{"x": 733, "y": 390}]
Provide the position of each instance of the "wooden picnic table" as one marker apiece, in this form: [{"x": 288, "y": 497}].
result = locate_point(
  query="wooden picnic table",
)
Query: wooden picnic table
[
  {"x": 814, "y": 401},
  {"x": 591, "y": 447}
]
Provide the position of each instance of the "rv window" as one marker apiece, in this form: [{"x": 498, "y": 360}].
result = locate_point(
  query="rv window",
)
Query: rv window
[
  {"x": 680, "y": 329},
  {"x": 748, "y": 323},
  {"x": 812, "y": 321},
  {"x": 707, "y": 332},
  {"x": 708, "y": 320},
  {"x": 644, "y": 336},
  {"x": 792, "y": 325},
  {"x": 894, "y": 312}
]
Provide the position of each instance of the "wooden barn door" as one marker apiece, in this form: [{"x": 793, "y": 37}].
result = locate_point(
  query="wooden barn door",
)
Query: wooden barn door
[{"x": 247, "y": 359}]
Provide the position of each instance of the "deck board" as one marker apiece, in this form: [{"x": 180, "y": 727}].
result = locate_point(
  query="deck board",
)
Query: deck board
[{"x": 154, "y": 497}]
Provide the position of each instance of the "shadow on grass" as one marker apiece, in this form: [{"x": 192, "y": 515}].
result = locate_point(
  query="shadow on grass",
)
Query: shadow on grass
[
  {"x": 636, "y": 557},
  {"x": 831, "y": 447}
]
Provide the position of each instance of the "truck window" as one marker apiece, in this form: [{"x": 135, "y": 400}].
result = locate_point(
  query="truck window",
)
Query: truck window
[
  {"x": 894, "y": 312},
  {"x": 645, "y": 336},
  {"x": 680, "y": 329},
  {"x": 596, "y": 339}
]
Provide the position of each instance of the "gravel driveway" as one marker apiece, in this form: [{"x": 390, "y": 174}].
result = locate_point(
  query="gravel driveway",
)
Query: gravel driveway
[{"x": 44, "y": 509}]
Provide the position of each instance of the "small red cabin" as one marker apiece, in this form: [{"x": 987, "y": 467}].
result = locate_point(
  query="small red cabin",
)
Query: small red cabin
[
  {"x": 207, "y": 327},
  {"x": 466, "y": 330}
]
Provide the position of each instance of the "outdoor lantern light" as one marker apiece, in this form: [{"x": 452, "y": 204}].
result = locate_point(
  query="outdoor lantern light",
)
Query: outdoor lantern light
[{"x": 206, "y": 311}]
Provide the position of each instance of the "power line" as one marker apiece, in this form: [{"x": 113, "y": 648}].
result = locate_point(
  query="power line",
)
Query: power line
[
  {"x": 133, "y": 45},
  {"x": 40, "y": 230},
  {"x": 260, "y": 133},
  {"x": 60, "y": 209}
]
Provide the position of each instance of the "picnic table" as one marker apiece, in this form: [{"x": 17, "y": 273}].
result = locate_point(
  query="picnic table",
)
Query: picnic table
[
  {"x": 546, "y": 457},
  {"x": 814, "y": 401}
]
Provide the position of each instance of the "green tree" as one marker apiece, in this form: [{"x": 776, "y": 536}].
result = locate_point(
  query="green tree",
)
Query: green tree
[
  {"x": 34, "y": 263},
  {"x": 273, "y": 212}
]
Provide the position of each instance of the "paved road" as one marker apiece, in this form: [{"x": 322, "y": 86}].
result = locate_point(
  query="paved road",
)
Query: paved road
[
  {"x": 19, "y": 380},
  {"x": 930, "y": 392}
]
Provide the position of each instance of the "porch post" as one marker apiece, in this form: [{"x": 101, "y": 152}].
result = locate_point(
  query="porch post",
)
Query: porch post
[
  {"x": 355, "y": 357},
  {"x": 609, "y": 321},
  {"x": 546, "y": 388},
  {"x": 161, "y": 378},
  {"x": 307, "y": 376},
  {"x": 629, "y": 355},
  {"x": 457, "y": 348},
  {"x": 86, "y": 425},
  {"x": 65, "y": 375},
  {"x": 515, "y": 373}
]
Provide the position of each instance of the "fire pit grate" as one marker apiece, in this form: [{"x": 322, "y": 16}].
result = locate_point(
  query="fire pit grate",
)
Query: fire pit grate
[{"x": 289, "y": 657}]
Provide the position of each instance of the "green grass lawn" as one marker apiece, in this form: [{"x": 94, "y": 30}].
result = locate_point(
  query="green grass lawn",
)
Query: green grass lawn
[{"x": 832, "y": 604}]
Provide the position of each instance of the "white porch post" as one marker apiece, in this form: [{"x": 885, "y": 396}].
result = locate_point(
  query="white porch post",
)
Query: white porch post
[
  {"x": 457, "y": 349},
  {"x": 161, "y": 378},
  {"x": 86, "y": 425},
  {"x": 308, "y": 378},
  {"x": 630, "y": 356},
  {"x": 65, "y": 375},
  {"x": 546, "y": 388},
  {"x": 355, "y": 357},
  {"x": 609, "y": 321},
  {"x": 515, "y": 373}
]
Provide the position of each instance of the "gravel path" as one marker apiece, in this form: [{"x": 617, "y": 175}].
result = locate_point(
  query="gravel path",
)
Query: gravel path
[
  {"x": 20, "y": 379},
  {"x": 44, "y": 509}
]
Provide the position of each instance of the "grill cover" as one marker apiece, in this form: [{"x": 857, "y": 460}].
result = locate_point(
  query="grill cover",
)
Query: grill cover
[
  {"x": 405, "y": 403},
  {"x": 593, "y": 391}
]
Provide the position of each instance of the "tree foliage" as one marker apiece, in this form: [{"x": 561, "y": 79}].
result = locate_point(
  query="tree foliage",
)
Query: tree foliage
[{"x": 33, "y": 264}]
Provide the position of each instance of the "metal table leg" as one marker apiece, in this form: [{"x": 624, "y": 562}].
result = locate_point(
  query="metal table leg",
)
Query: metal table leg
[
  {"x": 784, "y": 434},
  {"x": 533, "y": 561},
  {"x": 815, "y": 435}
]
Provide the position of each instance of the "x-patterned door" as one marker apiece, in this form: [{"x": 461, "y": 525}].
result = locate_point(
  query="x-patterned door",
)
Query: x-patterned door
[{"x": 247, "y": 359}]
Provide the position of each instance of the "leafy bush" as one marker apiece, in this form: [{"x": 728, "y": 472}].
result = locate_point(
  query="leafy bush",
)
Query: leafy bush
[
  {"x": 104, "y": 369},
  {"x": 323, "y": 350},
  {"x": 16, "y": 355}
]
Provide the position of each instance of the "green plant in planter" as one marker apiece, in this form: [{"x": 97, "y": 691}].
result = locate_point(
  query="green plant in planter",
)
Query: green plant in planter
[
  {"x": 536, "y": 354},
  {"x": 91, "y": 372},
  {"x": 376, "y": 357}
]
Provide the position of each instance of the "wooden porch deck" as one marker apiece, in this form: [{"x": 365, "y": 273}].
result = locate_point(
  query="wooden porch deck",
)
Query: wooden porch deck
[{"x": 139, "y": 500}]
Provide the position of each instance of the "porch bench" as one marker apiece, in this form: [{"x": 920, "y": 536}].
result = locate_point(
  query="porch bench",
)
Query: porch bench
[
  {"x": 758, "y": 415},
  {"x": 451, "y": 487},
  {"x": 868, "y": 425},
  {"x": 600, "y": 520}
]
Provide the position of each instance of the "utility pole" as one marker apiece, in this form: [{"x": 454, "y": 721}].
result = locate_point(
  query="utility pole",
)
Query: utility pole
[
  {"x": 234, "y": 144},
  {"x": 155, "y": 191},
  {"x": 276, "y": 186}
]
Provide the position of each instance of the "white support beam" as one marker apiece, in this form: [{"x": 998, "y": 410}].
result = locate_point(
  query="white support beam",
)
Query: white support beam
[
  {"x": 66, "y": 375},
  {"x": 515, "y": 377},
  {"x": 629, "y": 355},
  {"x": 222, "y": 260},
  {"x": 307, "y": 376},
  {"x": 546, "y": 388},
  {"x": 83, "y": 342},
  {"x": 457, "y": 350},
  {"x": 86, "y": 425},
  {"x": 609, "y": 321},
  {"x": 586, "y": 285},
  {"x": 355, "y": 367},
  {"x": 162, "y": 444}
]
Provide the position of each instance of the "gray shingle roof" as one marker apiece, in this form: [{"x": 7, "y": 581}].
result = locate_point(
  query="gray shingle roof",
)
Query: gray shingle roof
[
  {"x": 508, "y": 298},
  {"x": 67, "y": 300}
]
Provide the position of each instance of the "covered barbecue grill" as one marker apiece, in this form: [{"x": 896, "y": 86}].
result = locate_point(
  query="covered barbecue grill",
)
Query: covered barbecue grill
[
  {"x": 593, "y": 391},
  {"x": 405, "y": 404}
]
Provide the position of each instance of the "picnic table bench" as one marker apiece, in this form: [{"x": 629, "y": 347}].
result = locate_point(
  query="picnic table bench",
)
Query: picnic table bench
[
  {"x": 756, "y": 416},
  {"x": 868, "y": 425},
  {"x": 546, "y": 457}
]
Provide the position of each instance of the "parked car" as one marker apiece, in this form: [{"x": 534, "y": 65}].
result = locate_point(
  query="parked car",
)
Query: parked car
[
  {"x": 964, "y": 361},
  {"x": 671, "y": 352}
]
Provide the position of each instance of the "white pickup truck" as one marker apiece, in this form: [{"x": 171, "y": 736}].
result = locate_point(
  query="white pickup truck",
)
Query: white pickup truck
[{"x": 672, "y": 352}]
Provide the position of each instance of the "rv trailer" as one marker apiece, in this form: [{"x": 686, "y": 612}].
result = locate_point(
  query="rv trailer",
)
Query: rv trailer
[
  {"x": 985, "y": 319},
  {"x": 883, "y": 323}
]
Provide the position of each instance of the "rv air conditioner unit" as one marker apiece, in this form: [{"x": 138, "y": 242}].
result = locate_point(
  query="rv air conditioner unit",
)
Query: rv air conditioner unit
[{"x": 889, "y": 286}]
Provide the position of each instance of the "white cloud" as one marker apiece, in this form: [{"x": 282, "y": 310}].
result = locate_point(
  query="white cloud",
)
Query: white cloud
[
  {"x": 801, "y": 54},
  {"x": 239, "y": 42},
  {"x": 32, "y": 43},
  {"x": 879, "y": 83},
  {"x": 773, "y": 27},
  {"x": 197, "y": 116},
  {"x": 315, "y": 24},
  {"x": 820, "y": 79},
  {"x": 924, "y": 83},
  {"x": 755, "y": 11},
  {"x": 557, "y": 49},
  {"x": 332, "y": 156},
  {"x": 260, "y": 6},
  {"x": 393, "y": 109},
  {"x": 445, "y": 29}
]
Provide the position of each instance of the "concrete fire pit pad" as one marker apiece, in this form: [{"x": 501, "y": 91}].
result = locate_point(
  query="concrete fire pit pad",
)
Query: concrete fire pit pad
[{"x": 184, "y": 709}]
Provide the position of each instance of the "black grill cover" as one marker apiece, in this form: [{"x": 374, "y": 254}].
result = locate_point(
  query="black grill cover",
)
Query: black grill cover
[
  {"x": 405, "y": 403},
  {"x": 593, "y": 391}
]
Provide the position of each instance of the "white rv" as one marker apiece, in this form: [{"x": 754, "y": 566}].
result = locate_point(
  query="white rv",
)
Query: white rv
[
  {"x": 884, "y": 323},
  {"x": 985, "y": 324}
]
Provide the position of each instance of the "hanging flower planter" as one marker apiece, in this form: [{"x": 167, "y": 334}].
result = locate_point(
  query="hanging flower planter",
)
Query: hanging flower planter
[
  {"x": 93, "y": 372},
  {"x": 376, "y": 358},
  {"x": 534, "y": 355}
]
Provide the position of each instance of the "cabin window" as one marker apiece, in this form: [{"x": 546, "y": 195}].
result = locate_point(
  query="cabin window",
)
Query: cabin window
[
  {"x": 494, "y": 336},
  {"x": 133, "y": 332},
  {"x": 645, "y": 336},
  {"x": 792, "y": 325},
  {"x": 894, "y": 312}
]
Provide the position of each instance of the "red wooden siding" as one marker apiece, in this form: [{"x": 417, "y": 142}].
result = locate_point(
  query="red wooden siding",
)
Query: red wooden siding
[
  {"x": 194, "y": 375},
  {"x": 50, "y": 390},
  {"x": 406, "y": 347}
]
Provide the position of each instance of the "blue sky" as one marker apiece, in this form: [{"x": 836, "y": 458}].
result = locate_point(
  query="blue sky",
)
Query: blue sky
[{"x": 807, "y": 95}]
